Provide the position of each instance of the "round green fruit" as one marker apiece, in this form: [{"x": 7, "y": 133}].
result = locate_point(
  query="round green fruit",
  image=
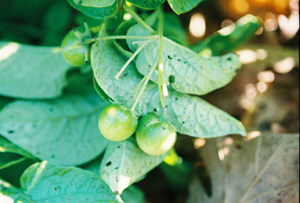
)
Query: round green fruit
[
  {"x": 155, "y": 138},
  {"x": 116, "y": 122},
  {"x": 75, "y": 57}
]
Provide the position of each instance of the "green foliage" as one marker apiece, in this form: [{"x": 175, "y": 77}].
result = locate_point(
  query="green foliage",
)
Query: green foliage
[
  {"x": 228, "y": 38},
  {"x": 142, "y": 63},
  {"x": 62, "y": 130},
  {"x": 43, "y": 78},
  {"x": 183, "y": 6},
  {"x": 124, "y": 163},
  {"x": 190, "y": 115},
  {"x": 95, "y": 12},
  {"x": 149, "y": 4}
]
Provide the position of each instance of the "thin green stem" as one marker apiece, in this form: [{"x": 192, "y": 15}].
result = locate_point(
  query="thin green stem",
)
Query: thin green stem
[
  {"x": 138, "y": 18},
  {"x": 138, "y": 87},
  {"x": 144, "y": 85},
  {"x": 120, "y": 37},
  {"x": 132, "y": 57},
  {"x": 161, "y": 81}
]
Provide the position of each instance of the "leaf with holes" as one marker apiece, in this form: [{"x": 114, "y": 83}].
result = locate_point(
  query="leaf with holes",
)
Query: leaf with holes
[
  {"x": 194, "y": 74},
  {"x": 21, "y": 76},
  {"x": 263, "y": 169},
  {"x": 124, "y": 163},
  {"x": 10, "y": 194},
  {"x": 63, "y": 131},
  {"x": 64, "y": 184},
  {"x": 190, "y": 115},
  {"x": 183, "y": 6},
  {"x": 94, "y": 12}
]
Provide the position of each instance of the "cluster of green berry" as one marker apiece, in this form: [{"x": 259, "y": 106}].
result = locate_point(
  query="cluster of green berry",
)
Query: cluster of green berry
[{"x": 116, "y": 122}]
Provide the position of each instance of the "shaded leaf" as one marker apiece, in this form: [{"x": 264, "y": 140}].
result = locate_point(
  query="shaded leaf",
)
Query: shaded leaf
[
  {"x": 10, "y": 194},
  {"x": 63, "y": 130},
  {"x": 263, "y": 169},
  {"x": 193, "y": 73},
  {"x": 229, "y": 38},
  {"x": 124, "y": 163},
  {"x": 10, "y": 154},
  {"x": 133, "y": 194},
  {"x": 54, "y": 183},
  {"x": 183, "y": 6},
  {"x": 149, "y": 4},
  {"x": 95, "y": 3},
  {"x": 93, "y": 12},
  {"x": 31, "y": 72},
  {"x": 190, "y": 115}
]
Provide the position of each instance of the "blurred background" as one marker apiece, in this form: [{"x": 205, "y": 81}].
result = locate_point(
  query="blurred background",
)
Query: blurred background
[{"x": 264, "y": 95}]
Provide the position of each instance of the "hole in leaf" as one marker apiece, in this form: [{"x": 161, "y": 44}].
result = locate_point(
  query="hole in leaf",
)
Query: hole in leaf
[
  {"x": 229, "y": 59},
  {"x": 155, "y": 110},
  {"x": 116, "y": 168},
  {"x": 108, "y": 163},
  {"x": 11, "y": 131},
  {"x": 169, "y": 57}
]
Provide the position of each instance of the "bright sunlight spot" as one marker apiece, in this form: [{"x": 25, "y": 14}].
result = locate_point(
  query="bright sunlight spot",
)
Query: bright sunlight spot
[
  {"x": 197, "y": 25},
  {"x": 127, "y": 16},
  {"x": 228, "y": 141},
  {"x": 251, "y": 91},
  {"x": 226, "y": 23},
  {"x": 200, "y": 142},
  {"x": 261, "y": 54},
  {"x": 261, "y": 86},
  {"x": 124, "y": 181},
  {"x": 247, "y": 56},
  {"x": 240, "y": 6},
  {"x": 6, "y": 199},
  {"x": 270, "y": 23},
  {"x": 266, "y": 76},
  {"x": 285, "y": 65},
  {"x": 8, "y": 50},
  {"x": 252, "y": 135},
  {"x": 223, "y": 153}
]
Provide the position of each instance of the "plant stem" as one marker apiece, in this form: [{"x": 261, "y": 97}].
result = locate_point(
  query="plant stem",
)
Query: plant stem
[
  {"x": 144, "y": 85},
  {"x": 161, "y": 81},
  {"x": 138, "y": 87},
  {"x": 132, "y": 57},
  {"x": 138, "y": 18},
  {"x": 120, "y": 37}
]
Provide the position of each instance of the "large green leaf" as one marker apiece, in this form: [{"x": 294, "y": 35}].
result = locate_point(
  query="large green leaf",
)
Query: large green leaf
[
  {"x": 124, "y": 163},
  {"x": 190, "y": 115},
  {"x": 44, "y": 182},
  {"x": 93, "y": 12},
  {"x": 62, "y": 131},
  {"x": 10, "y": 154},
  {"x": 31, "y": 72},
  {"x": 261, "y": 169},
  {"x": 183, "y": 6},
  {"x": 11, "y": 194},
  {"x": 95, "y": 3},
  {"x": 228, "y": 38},
  {"x": 149, "y": 4},
  {"x": 193, "y": 73}
]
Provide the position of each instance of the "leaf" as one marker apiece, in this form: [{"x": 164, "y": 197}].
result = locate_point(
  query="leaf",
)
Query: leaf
[
  {"x": 31, "y": 72},
  {"x": 149, "y": 4},
  {"x": 174, "y": 30},
  {"x": 183, "y": 6},
  {"x": 63, "y": 131},
  {"x": 95, "y": 3},
  {"x": 124, "y": 163},
  {"x": 264, "y": 169},
  {"x": 10, "y": 194},
  {"x": 10, "y": 154},
  {"x": 194, "y": 74},
  {"x": 190, "y": 115},
  {"x": 228, "y": 38},
  {"x": 133, "y": 194},
  {"x": 93, "y": 12},
  {"x": 53, "y": 183}
]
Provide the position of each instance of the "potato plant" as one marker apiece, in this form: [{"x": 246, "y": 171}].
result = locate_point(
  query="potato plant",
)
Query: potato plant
[{"x": 96, "y": 114}]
